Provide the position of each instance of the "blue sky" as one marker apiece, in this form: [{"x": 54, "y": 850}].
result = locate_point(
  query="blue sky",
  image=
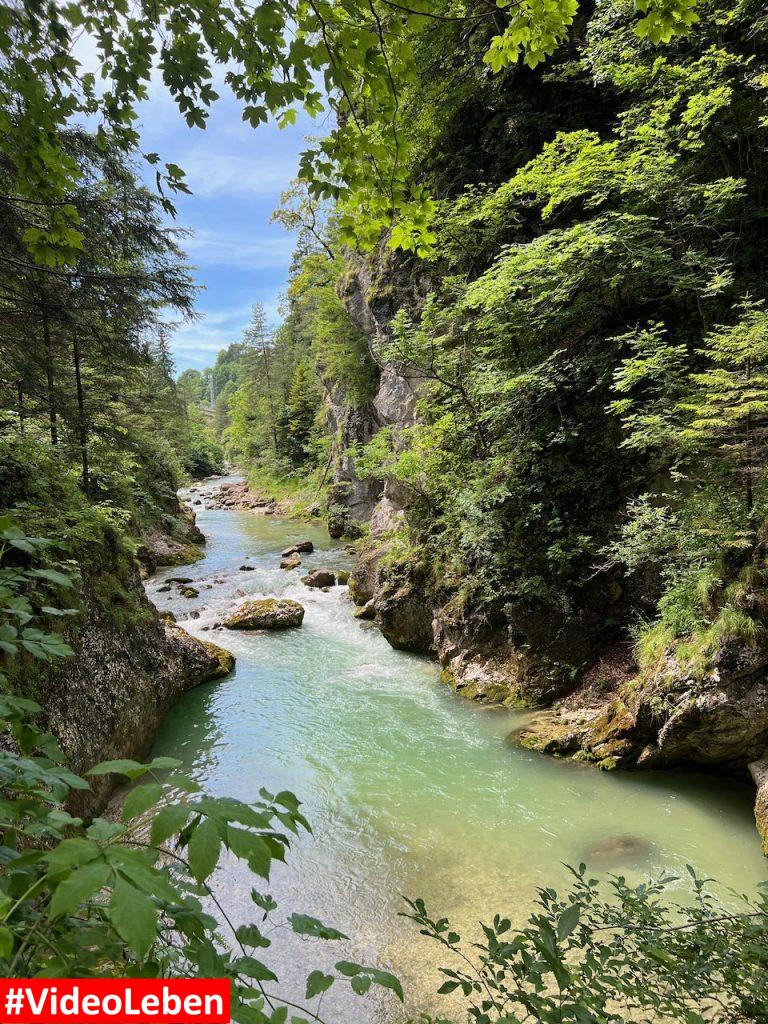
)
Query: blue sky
[{"x": 236, "y": 174}]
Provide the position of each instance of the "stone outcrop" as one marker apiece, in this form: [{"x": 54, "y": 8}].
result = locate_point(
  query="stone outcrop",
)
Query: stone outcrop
[
  {"x": 759, "y": 772},
  {"x": 304, "y": 547},
  {"x": 182, "y": 546},
  {"x": 128, "y": 668},
  {"x": 266, "y": 613},
  {"x": 562, "y": 655}
]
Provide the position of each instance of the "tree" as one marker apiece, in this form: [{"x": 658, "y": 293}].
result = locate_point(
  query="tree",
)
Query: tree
[
  {"x": 273, "y": 59},
  {"x": 728, "y": 405}
]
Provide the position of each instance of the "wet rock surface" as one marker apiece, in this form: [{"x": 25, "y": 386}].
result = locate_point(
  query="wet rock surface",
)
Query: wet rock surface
[
  {"x": 266, "y": 613},
  {"x": 319, "y": 578}
]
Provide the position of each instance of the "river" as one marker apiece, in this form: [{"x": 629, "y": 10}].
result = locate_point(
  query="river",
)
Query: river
[{"x": 410, "y": 790}]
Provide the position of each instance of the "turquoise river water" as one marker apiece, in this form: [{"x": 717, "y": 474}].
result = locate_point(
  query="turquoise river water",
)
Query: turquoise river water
[{"x": 410, "y": 790}]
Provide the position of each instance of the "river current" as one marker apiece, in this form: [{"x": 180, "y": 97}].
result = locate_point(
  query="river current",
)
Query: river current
[{"x": 409, "y": 789}]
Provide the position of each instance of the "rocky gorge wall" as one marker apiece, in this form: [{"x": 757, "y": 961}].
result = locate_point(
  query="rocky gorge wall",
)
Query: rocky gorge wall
[
  {"x": 594, "y": 703},
  {"x": 129, "y": 665}
]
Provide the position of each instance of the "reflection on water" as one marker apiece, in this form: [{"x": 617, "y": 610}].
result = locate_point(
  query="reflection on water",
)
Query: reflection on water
[{"x": 409, "y": 789}]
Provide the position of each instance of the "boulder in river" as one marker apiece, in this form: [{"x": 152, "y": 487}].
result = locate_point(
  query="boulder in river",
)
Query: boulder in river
[
  {"x": 342, "y": 577},
  {"x": 620, "y": 849},
  {"x": 189, "y": 592},
  {"x": 319, "y": 578},
  {"x": 181, "y": 580},
  {"x": 247, "y": 568},
  {"x": 304, "y": 547},
  {"x": 225, "y": 659},
  {"x": 291, "y": 562},
  {"x": 266, "y": 613}
]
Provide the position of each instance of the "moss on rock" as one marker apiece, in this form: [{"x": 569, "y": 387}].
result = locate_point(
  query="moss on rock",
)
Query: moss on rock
[{"x": 266, "y": 613}]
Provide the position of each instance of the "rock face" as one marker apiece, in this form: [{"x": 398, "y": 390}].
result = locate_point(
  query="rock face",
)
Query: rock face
[
  {"x": 267, "y": 613},
  {"x": 181, "y": 547},
  {"x": 759, "y": 772},
  {"x": 128, "y": 669},
  {"x": 319, "y": 578}
]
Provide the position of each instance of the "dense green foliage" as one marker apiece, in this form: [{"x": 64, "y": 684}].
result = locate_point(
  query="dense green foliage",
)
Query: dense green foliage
[
  {"x": 613, "y": 952},
  {"x": 274, "y": 56}
]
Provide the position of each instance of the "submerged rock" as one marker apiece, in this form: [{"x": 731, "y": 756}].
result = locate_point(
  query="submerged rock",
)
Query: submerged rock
[
  {"x": 291, "y": 562},
  {"x": 267, "y": 613},
  {"x": 304, "y": 547},
  {"x": 617, "y": 850},
  {"x": 247, "y": 568},
  {"x": 319, "y": 578}
]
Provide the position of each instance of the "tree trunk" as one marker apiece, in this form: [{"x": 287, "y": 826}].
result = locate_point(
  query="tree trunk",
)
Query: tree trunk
[
  {"x": 82, "y": 421},
  {"x": 22, "y": 414},
  {"x": 49, "y": 376}
]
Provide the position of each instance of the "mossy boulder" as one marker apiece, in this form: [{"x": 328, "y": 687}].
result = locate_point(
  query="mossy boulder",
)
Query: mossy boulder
[
  {"x": 266, "y": 613},
  {"x": 224, "y": 658},
  {"x": 291, "y": 562},
  {"x": 342, "y": 577}
]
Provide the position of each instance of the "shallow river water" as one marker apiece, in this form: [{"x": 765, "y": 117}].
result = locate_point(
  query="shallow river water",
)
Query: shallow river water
[{"x": 410, "y": 790}]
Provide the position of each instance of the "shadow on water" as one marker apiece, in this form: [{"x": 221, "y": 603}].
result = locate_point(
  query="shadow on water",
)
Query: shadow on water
[{"x": 409, "y": 789}]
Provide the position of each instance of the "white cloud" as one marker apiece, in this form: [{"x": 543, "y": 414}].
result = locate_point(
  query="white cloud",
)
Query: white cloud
[
  {"x": 211, "y": 173},
  {"x": 251, "y": 252}
]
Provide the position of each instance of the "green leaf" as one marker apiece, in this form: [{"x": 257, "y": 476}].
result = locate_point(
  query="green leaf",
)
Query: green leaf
[
  {"x": 78, "y": 887},
  {"x": 568, "y": 921},
  {"x": 252, "y": 968},
  {"x": 51, "y": 576},
  {"x": 169, "y": 821},
  {"x": 6, "y": 942},
  {"x": 204, "y": 849},
  {"x": 317, "y": 983},
  {"x": 140, "y": 799},
  {"x": 134, "y": 916},
  {"x": 121, "y": 766},
  {"x": 303, "y": 925}
]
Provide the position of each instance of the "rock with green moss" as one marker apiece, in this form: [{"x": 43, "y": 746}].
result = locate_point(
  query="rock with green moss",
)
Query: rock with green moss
[
  {"x": 225, "y": 660},
  {"x": 342, "y": 577},
  {"x": 266, "y": 613},
  {"x": 290, "y": 562},
  {"x": 366, "y": 611},
  {"x": 759, "y": 772}
]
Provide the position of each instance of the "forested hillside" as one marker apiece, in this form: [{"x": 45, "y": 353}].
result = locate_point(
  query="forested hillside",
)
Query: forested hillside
[{"x": 551, "y": 424}]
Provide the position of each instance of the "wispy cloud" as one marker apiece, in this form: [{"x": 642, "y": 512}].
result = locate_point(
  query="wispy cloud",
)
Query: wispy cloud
[
  {"x": 251, "y": 251},
  {"x": 211, "y": 173}
]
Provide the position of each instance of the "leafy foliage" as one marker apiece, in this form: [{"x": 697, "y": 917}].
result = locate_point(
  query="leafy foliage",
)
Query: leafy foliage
[{"x": 612, "y": 952}]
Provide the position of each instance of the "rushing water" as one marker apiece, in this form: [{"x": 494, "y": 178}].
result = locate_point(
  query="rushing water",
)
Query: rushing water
[{"x": 410, "y": 790}]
